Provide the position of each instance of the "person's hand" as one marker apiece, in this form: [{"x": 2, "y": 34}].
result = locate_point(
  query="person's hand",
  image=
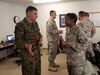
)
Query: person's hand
[
  {"x": 60, "y": 31},
  {"x": 29, "y": 48},
  {"x": 65, "y": 45}
]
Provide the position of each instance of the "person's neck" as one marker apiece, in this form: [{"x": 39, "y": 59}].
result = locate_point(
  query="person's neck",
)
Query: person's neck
[
  {"x": 52, "y": 17},
  {"x": 86, "y": 17},
  {"x": 29, "y": 20},
  {"x": 72, "y": 25}
]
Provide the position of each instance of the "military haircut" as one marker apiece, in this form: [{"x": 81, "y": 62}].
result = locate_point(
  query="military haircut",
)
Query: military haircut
[
  {"x": 52, "y": 11},
  {"x": 30, "y": 8},
  {"x": 87, "y": 14},
  {"x": 72, "y": 16},
  {"x": 82, "y": 13}
]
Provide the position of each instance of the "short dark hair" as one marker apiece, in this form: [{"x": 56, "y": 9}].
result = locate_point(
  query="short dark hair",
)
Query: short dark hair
[
  {"x": 30, "y": 8},
  {"x": 82, "y": 13},
  {"x": 72, "y": 16},
  {"x": 52, "y": 11},
  {"x": 86, "y": 14}
]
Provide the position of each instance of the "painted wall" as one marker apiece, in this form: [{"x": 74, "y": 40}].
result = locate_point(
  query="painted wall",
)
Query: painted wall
[
  {"x": 62, "y": 8},
  {"x": 7, "y": 12}
]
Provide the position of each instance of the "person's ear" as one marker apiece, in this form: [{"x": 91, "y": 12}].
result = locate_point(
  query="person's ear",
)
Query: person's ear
[{"x": 29, "y": 13}]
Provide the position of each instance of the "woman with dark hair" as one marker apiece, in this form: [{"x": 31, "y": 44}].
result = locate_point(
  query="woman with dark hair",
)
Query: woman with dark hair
[{"x": 76, "y": 44}]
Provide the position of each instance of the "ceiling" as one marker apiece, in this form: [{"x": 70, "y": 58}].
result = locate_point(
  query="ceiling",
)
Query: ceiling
[{"x": 29, "y": 2}]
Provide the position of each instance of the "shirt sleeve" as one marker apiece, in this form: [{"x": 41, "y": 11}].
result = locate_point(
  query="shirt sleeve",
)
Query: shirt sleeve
[
  {"x": 19, "y": 35},
  {"x": 81, "y": 41},
  {"x": 51, "y": 29},
  {"x": 38, "y": 29}
]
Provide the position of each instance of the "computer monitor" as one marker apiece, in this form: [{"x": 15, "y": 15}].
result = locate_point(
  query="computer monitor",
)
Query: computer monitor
[{"x": 10, "y": 38}]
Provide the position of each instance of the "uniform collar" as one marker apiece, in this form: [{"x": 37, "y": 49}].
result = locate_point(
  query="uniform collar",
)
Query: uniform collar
[
  {"x": 25, "y": 20},
  {"x": 52, "y": 19},
  {"x": 71, "y": 28},
  {"x": 86, "y": 19}
]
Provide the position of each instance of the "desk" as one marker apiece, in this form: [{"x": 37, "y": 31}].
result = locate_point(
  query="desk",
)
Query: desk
[{"x": 6, "y": 50}]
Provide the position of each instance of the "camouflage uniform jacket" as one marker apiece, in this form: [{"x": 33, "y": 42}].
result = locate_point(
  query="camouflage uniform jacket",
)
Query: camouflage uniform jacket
[
  {"x": 77, "y": 41},
  {"x": 51, "y": 31},
  {"x": 27, "y": 33},
  {"x": 88, "y": 27}
]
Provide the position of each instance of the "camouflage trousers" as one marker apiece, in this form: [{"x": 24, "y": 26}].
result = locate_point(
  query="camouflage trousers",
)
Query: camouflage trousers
[
  {"x": 75, "y": 70},
  {"x": 31, "y": 65},
  {"x": 53, "y": 50}
]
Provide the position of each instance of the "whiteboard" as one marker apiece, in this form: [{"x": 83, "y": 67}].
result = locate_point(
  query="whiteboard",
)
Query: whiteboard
[{"x": 95, "y": 17}]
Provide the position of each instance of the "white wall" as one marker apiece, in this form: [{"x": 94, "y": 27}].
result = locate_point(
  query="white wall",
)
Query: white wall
[
  {"x": 61, "y": 8},
  {"x": 7, "y": 12}
]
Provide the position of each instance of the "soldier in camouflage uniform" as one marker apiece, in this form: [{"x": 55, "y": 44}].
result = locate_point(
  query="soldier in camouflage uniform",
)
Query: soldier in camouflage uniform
[
  {"x": 89, "y": 29},
  {"x": 76, "y": 44},
  {"x": 52, "y": 34},
  {"x": 27, "y": 38}
]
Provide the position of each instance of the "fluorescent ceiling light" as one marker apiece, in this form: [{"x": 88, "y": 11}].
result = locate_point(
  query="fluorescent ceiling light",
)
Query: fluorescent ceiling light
[{"x": 45, "y": 1}]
